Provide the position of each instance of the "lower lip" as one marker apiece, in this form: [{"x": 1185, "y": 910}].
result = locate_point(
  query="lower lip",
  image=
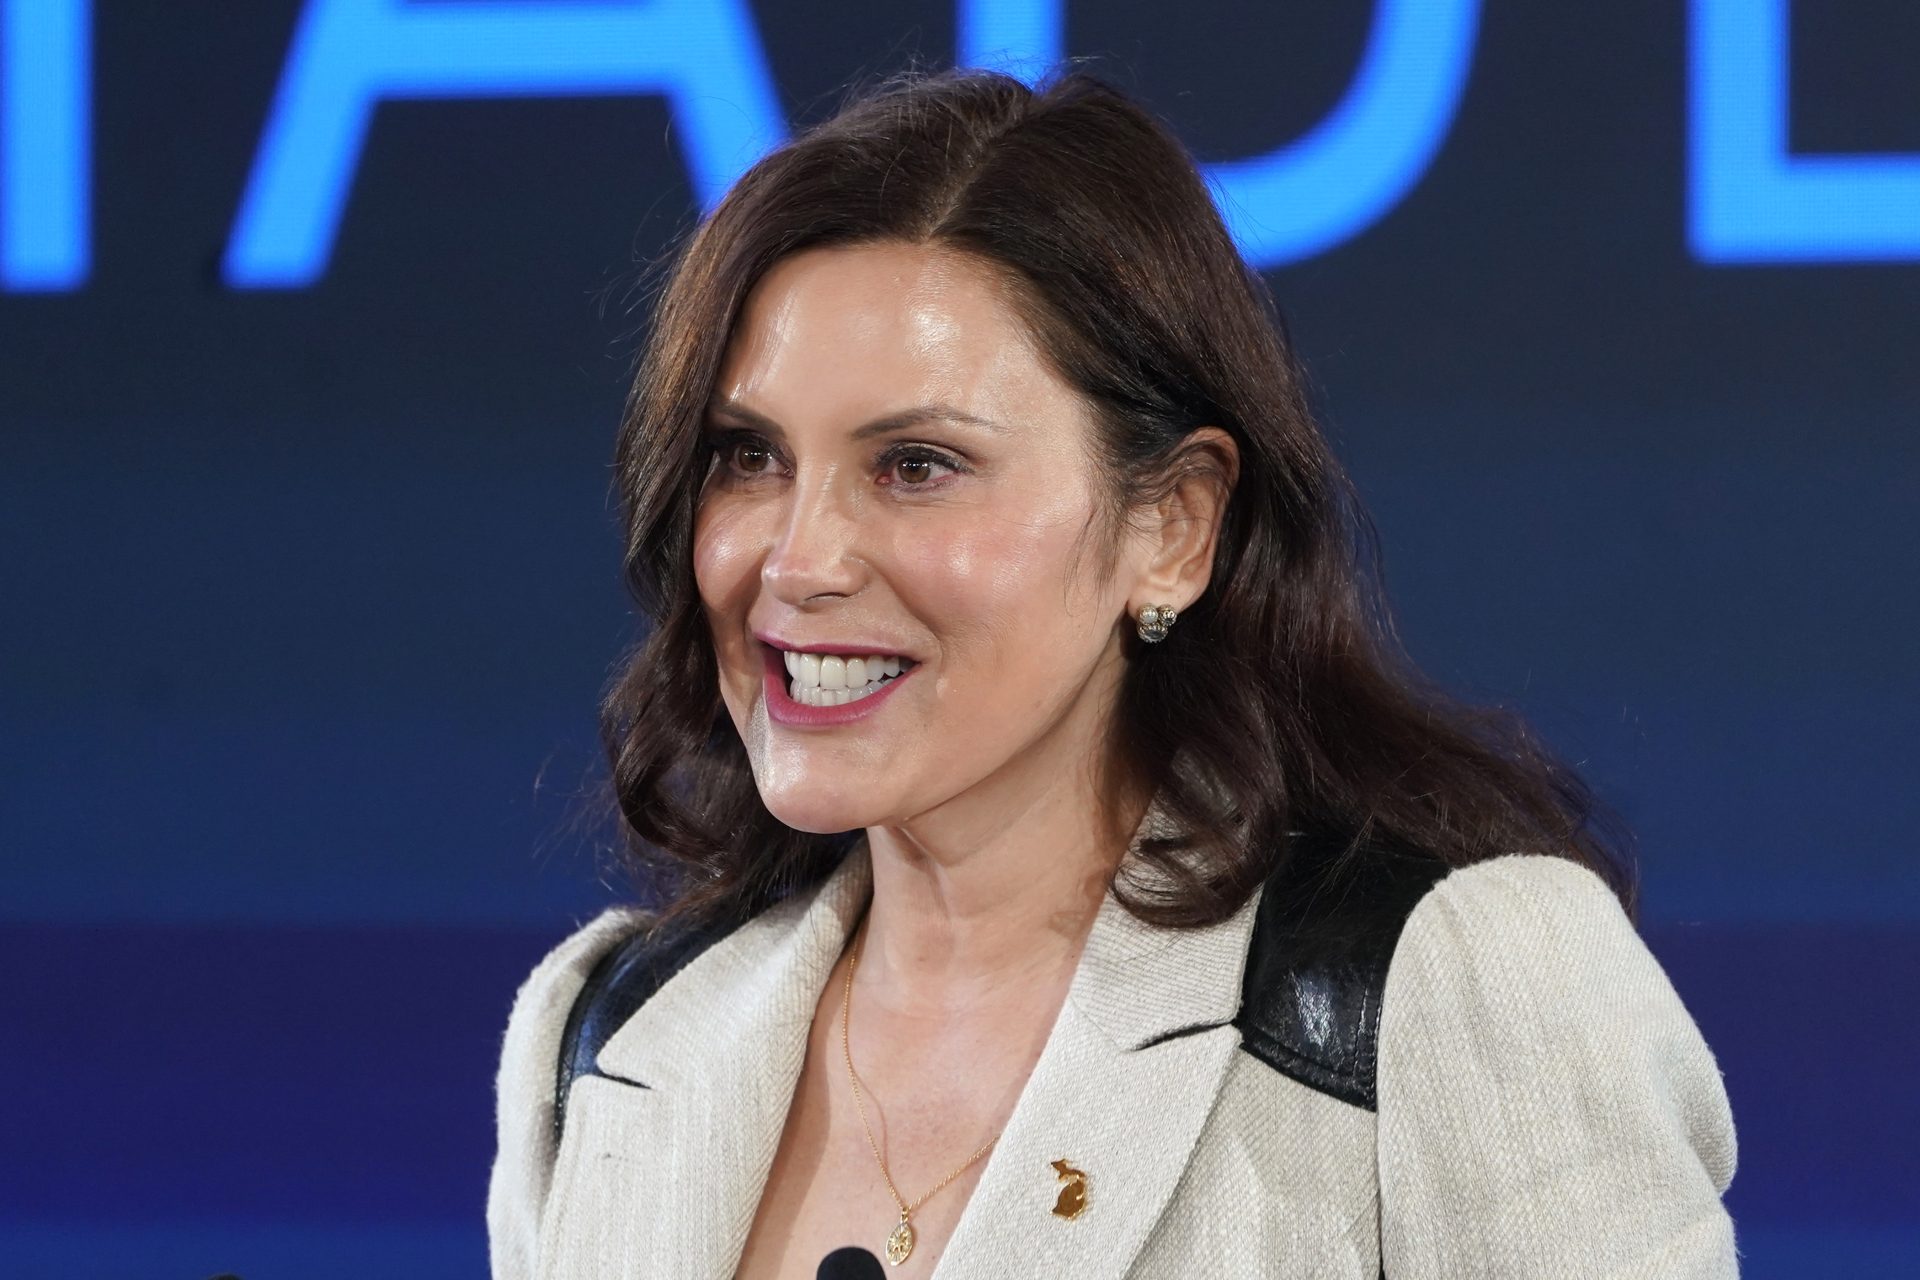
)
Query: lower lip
[{"x": 784, "y": 710}]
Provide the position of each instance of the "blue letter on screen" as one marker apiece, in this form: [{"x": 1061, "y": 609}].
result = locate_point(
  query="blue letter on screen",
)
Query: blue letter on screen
[
  {"x": 1343, "y": 176},
  {"x": 44, "y": 125},
  {"x": 1359, "y": 161},
  {"x": 1023, "y": 38},
  {"x": 347, "y": 55},
  {"x": 1749, "y": 199}
]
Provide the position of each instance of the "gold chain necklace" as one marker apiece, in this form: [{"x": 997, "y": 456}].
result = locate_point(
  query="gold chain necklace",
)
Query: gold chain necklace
[{"x": 900, "y": 1243}]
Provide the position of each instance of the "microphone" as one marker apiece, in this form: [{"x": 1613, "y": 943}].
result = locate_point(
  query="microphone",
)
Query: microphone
[{"x": 850, "y": 1263}]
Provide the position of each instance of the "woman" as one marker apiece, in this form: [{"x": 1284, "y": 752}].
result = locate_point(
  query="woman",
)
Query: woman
[{"x": 1068, "y": 874}]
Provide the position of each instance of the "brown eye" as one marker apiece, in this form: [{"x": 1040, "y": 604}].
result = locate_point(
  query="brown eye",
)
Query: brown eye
[
  {"x": 751, "y": 452},
  {"x": 912, "y": 468}
]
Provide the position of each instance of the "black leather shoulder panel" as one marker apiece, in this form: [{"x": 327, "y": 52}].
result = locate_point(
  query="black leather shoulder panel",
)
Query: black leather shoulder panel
[
  {"x": 1323, "y": 936},
  {"x": 624, "y": 979}
]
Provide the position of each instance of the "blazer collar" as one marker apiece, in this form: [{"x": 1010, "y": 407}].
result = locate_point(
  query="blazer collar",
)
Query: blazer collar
[{"x": 697, "y": 1085}]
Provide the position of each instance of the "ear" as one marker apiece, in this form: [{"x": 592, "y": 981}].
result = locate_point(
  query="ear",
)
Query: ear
[{"x": 1181, "y": 528}]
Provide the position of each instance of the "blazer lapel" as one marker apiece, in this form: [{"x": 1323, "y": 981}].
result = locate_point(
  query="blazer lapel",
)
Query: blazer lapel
[
  {"x": 664, "y": 1168},
  {"x": 666, "y": 1155},
  {"x": 1121, "y": 1092}
]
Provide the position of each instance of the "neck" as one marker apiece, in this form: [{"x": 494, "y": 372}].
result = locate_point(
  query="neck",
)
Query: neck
[{"x": 990, "y": 895}]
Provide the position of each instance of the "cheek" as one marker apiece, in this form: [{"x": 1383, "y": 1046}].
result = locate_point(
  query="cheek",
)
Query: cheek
[
  {"x": 724, "y": 563},
  {"x": 1004, "y": 591}
]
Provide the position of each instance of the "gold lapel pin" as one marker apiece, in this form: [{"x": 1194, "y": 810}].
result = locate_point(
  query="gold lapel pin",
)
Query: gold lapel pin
[{"x": 1072, "y": 1201}]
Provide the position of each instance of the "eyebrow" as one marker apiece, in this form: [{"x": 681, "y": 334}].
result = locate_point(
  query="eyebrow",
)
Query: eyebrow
[{"x": 901, "y": 420}]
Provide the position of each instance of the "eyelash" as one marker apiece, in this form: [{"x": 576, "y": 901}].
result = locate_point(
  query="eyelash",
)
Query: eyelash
[{"x": 723, "y": 445}]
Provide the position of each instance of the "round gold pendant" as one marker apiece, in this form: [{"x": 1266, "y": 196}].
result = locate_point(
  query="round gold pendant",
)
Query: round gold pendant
[{"x": 900, "y": 1243}]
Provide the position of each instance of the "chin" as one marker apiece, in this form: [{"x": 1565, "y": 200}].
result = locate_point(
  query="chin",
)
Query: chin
[{"x": 823, "y": 813}]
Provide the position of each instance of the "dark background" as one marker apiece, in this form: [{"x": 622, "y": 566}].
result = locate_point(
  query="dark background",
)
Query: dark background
[{"x": 308, "y": 594}]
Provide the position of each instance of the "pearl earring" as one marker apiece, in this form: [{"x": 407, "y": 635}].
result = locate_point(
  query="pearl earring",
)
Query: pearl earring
[{"x": 1153, "y": 620}]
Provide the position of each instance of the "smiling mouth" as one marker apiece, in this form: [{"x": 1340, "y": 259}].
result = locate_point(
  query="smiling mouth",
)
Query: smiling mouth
[{"x": 831, "y": 679}]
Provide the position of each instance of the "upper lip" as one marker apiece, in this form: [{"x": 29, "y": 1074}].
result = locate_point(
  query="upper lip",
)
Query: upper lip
[{"x": 830, "y": 646}]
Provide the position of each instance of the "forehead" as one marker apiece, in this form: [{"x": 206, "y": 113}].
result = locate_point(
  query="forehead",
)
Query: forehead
[{"x": 851, "y": 332}]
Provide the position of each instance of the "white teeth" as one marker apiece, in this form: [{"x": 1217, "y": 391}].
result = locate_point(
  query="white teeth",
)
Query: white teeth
[
  {"x": 810, "y": 696},
  {"x": 828, "y": 680}
]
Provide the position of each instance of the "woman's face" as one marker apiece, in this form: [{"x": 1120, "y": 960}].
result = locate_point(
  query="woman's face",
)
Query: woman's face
[{"x": 901, "y": 473}]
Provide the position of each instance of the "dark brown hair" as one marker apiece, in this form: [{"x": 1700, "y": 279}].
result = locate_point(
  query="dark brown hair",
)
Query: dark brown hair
[{"x": 1281, "y": 701}]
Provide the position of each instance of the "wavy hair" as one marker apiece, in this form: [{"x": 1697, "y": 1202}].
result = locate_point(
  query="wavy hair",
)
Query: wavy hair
[{"x": 1281, "y": 703}]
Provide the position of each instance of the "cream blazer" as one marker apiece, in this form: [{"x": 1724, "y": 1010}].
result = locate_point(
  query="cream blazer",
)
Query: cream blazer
[{"x": 1521, "y": 1094}]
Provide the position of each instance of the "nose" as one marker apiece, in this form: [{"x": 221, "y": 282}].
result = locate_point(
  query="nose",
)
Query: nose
[{"x": 814, "y": 551}]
